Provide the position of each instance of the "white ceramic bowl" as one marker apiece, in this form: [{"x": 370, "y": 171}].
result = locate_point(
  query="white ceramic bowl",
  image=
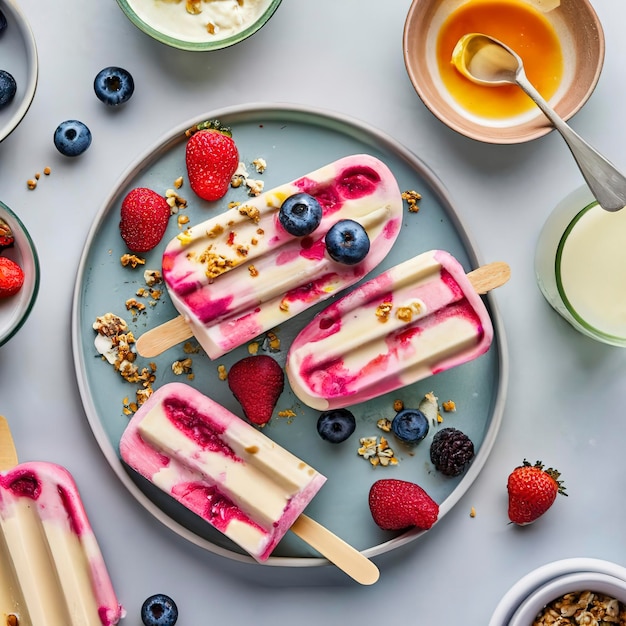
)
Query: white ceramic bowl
[
  {"x": 14, "y": 310},
  {"x": 18, "y": 56},
  {"x": 521, "y": 604},
  {"x": 170, "y": 24}
]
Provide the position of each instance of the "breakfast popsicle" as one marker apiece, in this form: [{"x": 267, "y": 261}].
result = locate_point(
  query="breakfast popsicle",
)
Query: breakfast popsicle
[
  {"x": 241, "y": 273},
  {"x": 231, "y": 475},
  {"x": 52, "y": 572},
  {"x": 418, "y": 318}
]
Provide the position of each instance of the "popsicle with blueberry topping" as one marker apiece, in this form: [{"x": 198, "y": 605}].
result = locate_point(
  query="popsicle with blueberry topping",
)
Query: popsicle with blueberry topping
[{"x": 241, "y": 273}]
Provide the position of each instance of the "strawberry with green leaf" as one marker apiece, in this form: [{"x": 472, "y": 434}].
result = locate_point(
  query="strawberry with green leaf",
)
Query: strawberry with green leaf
[
  {"x": 532, "y": 491},
  {"x": 212, "y": 158}
]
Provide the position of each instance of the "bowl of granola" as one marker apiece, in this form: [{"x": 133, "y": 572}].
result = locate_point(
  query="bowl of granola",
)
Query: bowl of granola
[
  {"x": 199, "y": 25},
  {"x": 571, "y": 591},
  {"x": 19, "y": 274}
]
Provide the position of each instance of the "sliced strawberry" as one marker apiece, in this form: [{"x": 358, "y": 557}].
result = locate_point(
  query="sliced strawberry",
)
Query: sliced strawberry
[
  {"x": 398, "y": 504},
  {"x": 6, "y": 235},
  {"x": 257, "y": 382},
  {"x": 212, "y": 158},
  {"x": 143, "y": 219},
  {"x": 11, "y": 277}
]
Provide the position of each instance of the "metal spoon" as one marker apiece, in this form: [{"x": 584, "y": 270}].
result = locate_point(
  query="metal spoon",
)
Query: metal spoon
[{"x": 487, "y": 61}]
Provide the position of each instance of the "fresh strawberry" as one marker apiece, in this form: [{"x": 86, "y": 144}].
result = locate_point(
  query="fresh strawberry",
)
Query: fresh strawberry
[
  {"x": 6, "y": 235},
  {"x": 11, "y": 277},
  {"x": 532, "y": 491},
  {"x": 212, "y": 158},
  {"x": 257, "y": 382},
  {"x": 144, "y": 217},
  {"x": 398, "y": 504}
]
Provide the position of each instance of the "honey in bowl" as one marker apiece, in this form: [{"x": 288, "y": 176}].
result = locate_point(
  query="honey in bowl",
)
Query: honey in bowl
[{"x": 520, "y": 26}]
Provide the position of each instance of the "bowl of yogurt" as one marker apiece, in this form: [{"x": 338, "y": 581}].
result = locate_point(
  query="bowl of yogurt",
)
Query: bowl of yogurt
[{"x": 199, "y": 25}]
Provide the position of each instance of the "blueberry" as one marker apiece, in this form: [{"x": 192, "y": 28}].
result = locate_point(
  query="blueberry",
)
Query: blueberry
[
  {"x": 114, "y": 85},
  {"x": 410, "y": 425},
  {"x": 347, "y": 242},
  {"x": 300, "y": 214},
  {"x": 336, "y": 425},
  {"x": 8, "y": 87},
  {"x": 159, "y": 610},
  {"x": 72, "y": 138}
]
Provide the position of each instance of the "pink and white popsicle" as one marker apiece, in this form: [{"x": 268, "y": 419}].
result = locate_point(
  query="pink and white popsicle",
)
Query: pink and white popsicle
[
  {"x": 416, "y": 319},
  {"x": 240, "y": 274},
  {"x": 234, "y": 477},
  {"x": 52, "y": 572}
]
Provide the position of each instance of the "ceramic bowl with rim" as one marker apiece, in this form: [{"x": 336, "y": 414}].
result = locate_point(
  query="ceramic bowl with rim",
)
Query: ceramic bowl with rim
[
  {"x": 215, "y": 25},
  {"x": 14, "y": 310},
  {"x": 581, "y": 39},
  {"x": 18, "y": 56},
  {"x": 526, "y": 598}
]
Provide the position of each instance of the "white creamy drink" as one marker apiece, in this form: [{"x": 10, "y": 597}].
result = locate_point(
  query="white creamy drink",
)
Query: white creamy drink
[
  {"x": 199, "y": 20},
  {"x": 581, "y": 267}
]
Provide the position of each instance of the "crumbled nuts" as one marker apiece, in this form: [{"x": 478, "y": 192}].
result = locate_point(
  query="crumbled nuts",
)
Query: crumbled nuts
[
  {"x": 191, "y": 348},
  {"x": 412, "y": 197},
  {"x": 152, "y": 277},
  {"x": 287, "y": 413},
  {"x": 216, "y": 264},
  {"x": 254, "y": 272},
  {"x": 472, "y": 512},
  {"x": 47, "y": 171},
  {"x": 174, "y": 201},
  {"x": 193, "y": 7},
  {"x": 404, "y": 314},
  {"x": 260, "y": 165},
  {"x": 114, "y": 342},
  {"x": 255, "y": 187},
  {"x": 132, "y": 260},
  {"x": 271, "y": 343},
  {"x": 178, "y": 183},
  {"x": 377, "y": 452},
  {"x": 183, "y": 367},
  {"x": 449, "y": 406},
  {"x": 182, "y": 220},
  {"x": 398, "y": 405},
  {"x": 384, "y": 424},
  {"x": 250, "y": 211},
  {"x": 383, "y": 311},
  {"x": 222, "y": 374},
  {"x": 253, "y": 348},
  {"x": 584, "y": 608},
  {"x": 134, "y": 305},
  {"x": 210, "y": 28},
  {"x": 31, "y": 184}
]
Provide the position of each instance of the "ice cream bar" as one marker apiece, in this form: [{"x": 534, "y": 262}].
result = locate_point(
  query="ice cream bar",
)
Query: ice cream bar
[
  {"x": 416, "y": 319},
  {"x": 52, "y": 572},
  {"x": 240, "y": 274},
  {"x": 223, "y": 469}
]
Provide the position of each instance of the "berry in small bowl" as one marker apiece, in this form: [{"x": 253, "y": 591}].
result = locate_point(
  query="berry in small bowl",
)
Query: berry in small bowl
[{"x": 19, "y": 274}]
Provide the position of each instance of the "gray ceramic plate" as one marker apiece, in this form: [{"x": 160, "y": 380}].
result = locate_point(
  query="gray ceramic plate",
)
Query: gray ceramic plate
[
  {"x": 18, "y": 56},
  {"x": 294, "y": 141}
]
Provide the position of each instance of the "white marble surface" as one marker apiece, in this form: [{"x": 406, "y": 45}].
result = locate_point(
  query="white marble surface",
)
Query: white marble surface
[{"x": 567, "y": 396}]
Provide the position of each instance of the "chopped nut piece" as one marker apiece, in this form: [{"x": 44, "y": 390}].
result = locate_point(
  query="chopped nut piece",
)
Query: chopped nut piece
[
  {"x": 178, "y": 183},
  {"x": 286, "y": 413},
  {"x": 47, "y": 170},
  {"x": 412, "y": 197},
  {"x": 132, "y": 260},
  {"x": 398, "y": 405},
  {"x": 152, "y": 277},
  {"x": 383, "y": 311},
  {"x": 449, "y": 406},
  {"x": 259, "y": 164},
  {"x": 182, "y": 367},
  {"x": 377, "y": 452},
  {"x": 253, "y": 348},
  {"x": 253, "y": 271},
  {"x": 384, "y": 424},
  {"x": 31, "y": 184},
  {"x": 472, "y": 512},
  {"x": 182, "y": 220},
  {"x": 222, "y": 374},
  {"x": 250, "y": 211}
]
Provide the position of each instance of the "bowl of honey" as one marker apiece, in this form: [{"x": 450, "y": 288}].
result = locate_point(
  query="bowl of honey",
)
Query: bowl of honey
[{"x": 561, "y": 43}]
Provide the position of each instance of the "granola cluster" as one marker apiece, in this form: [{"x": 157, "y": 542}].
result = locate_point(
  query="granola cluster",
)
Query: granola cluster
[{"x": 585, "y": 608}]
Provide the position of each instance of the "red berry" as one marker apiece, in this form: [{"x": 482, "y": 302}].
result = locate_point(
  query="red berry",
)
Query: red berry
[
  {"x": 532, "y": 491},
  {"x": 6, "y": 235},
  {"x": 212, "y": 158},
  {"x": 257, "y": 382},
  {"x": 11, "y": 277},
  {"x": 144, "y": 217},
  {"x": 398, "y": 504}
]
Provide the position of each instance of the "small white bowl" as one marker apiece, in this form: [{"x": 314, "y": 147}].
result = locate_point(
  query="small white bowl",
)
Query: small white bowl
[
  {"x": 521, "y": 604},
  {"x": 18, "y": 56},
  {"x": 14, "y": 310}
]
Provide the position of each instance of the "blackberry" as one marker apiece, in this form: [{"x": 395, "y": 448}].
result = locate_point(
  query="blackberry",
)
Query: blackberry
[{"x": 450, "y": 451}]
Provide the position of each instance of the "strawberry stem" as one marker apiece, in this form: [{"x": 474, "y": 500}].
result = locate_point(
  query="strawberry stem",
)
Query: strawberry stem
[
  {"x": 215, "y": 125},
  {"x": 553, "y": 473}
]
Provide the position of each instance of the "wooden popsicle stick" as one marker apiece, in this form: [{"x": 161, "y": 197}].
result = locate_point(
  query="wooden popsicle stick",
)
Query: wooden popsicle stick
[
  {"x": 490, "y": 276},
  {"x": 336, "y": 550},
  {"x": 160, "y": 338},
  {"x": 8, "y": 454}
]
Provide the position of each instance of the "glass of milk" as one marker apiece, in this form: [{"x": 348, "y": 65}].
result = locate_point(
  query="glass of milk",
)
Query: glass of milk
[{"x": 580, "y": 263}]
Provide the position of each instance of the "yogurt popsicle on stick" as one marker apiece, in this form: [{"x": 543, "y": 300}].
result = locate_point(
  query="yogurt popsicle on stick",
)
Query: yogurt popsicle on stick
[
  {"x": 240, "y": 274},
  {"x": 231, "y": 475},
  {"x": 416, "y": 319},
  {"x": 51, "y": 568}
]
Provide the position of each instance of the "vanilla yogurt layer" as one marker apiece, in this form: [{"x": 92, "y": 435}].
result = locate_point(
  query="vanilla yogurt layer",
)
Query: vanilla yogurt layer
[{"x": 199, "y": 20}]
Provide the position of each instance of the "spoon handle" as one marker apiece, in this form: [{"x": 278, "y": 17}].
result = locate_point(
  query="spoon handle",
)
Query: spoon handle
[{"x": 607, "y": 184}]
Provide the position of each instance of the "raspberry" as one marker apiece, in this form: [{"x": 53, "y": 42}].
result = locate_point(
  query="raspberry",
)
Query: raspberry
[{"x": 450, "y": 451}]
